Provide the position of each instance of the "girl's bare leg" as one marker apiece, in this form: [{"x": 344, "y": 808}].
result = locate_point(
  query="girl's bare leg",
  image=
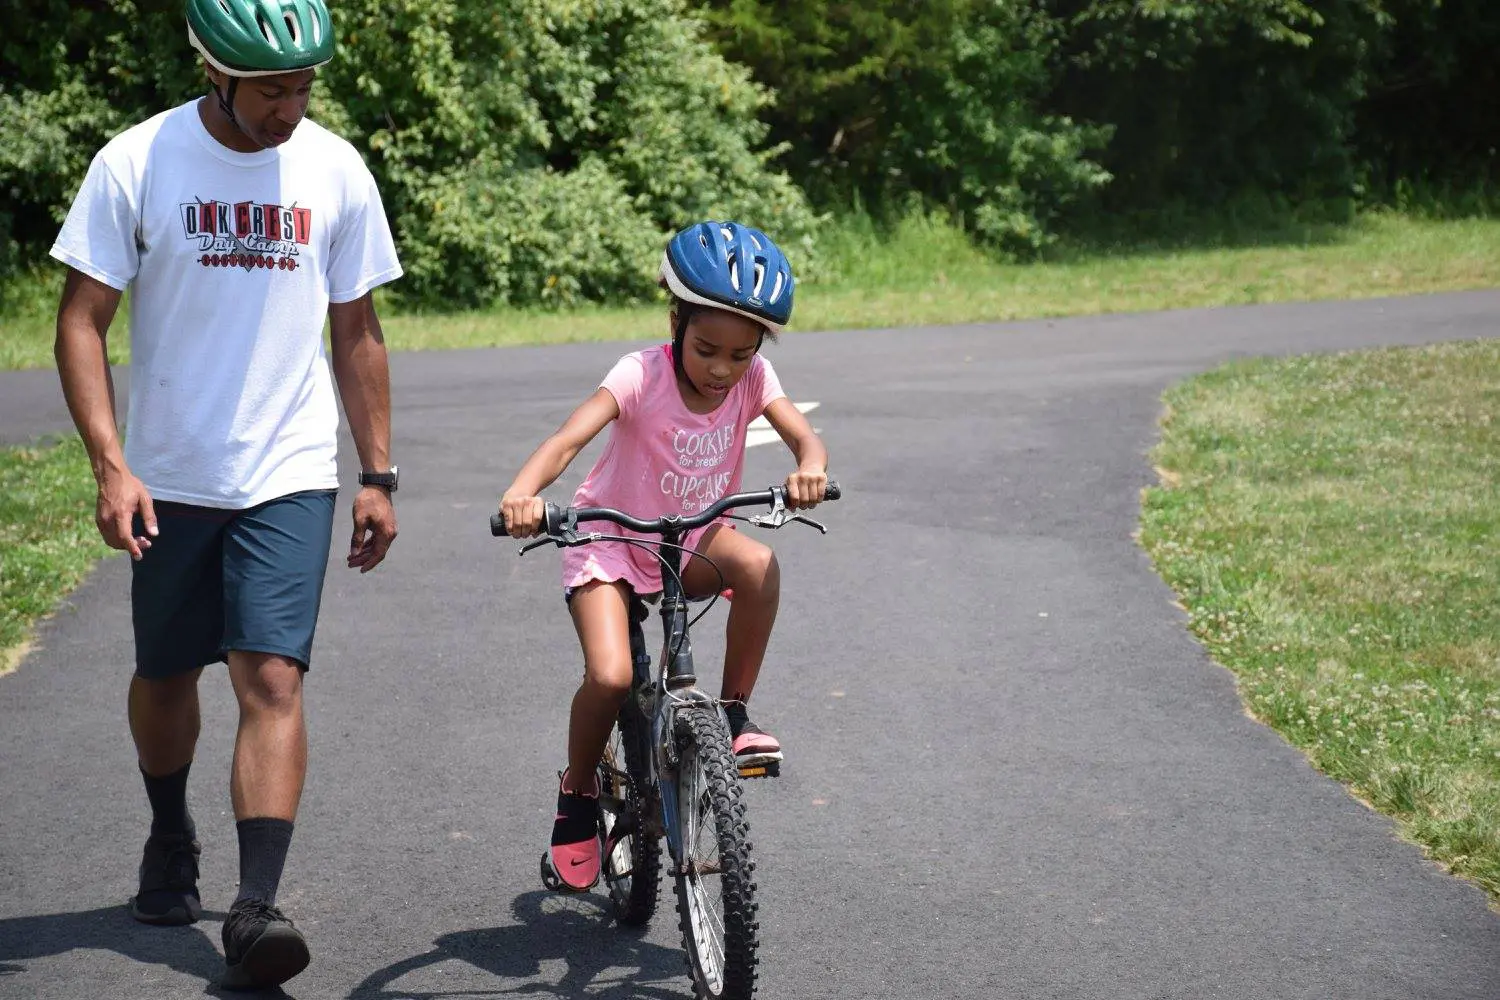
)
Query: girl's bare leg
[
  {"x": 600, "y": 614},
  {"x": 751, "y": 570}
]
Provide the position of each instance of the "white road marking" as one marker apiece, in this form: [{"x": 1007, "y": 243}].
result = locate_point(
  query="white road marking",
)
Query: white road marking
[{"x": 760, "y": 430}]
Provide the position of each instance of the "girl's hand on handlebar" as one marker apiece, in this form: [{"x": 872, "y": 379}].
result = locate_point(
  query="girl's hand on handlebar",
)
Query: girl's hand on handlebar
[
  {"x": 523, "y": 515},
  {"x": 805, "y": 488}
]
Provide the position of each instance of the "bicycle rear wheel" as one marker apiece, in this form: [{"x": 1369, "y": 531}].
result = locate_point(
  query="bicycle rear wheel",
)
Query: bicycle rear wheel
[
  {"x": 715, "y": 884},
  {"x": 632, "y": 851}
]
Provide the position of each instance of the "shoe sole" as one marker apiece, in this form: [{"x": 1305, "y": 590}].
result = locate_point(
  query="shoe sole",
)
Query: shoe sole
[
  {"x": 276, "y": 956},
  {"x": 758, "y": 759},
  {"x": 177, "y": 916}
]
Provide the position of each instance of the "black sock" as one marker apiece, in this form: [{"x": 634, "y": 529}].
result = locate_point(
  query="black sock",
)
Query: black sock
[
  {"x": 169, "y": 810},
  {"x": 263, "y": 846}
]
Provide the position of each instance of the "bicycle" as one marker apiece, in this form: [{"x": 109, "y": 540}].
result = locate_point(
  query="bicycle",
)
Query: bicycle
[{"x": 670, "y": 746}]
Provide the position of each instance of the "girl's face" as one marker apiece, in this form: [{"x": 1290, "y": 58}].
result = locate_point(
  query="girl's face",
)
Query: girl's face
[{"x": 716, "y": 352}]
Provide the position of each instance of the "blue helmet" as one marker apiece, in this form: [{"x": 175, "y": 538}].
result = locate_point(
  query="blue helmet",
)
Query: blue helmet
[{"x": 729, "y": 266}]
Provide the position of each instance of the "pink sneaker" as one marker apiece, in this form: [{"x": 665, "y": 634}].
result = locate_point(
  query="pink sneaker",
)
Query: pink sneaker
[
  {"x": 575, "y": 838},
  {"x": 753, "y": 746}
]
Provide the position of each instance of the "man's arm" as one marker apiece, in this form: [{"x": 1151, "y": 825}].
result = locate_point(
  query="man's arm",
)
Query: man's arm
[
  {"x": 362, "y": 370},
  {"x": 83, "y": 317}
]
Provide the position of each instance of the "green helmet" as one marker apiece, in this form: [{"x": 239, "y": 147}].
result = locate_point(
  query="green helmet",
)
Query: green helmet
[{"x": 261, "y": 37}]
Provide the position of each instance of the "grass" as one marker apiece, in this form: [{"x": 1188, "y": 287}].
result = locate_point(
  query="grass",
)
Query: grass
[
  {"x": 923, "y": 271},
  {"x": 47, "y": 537},
  {"x": 1332, "y": 525}
]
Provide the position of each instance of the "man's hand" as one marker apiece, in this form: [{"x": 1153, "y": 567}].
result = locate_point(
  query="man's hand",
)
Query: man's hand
[
  {"x": 374, "y": 528},
  {"x": 121, "y": 497}
]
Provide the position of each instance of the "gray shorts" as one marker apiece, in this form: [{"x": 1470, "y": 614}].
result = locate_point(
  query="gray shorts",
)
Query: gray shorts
[{"x": 219, "y": 580}]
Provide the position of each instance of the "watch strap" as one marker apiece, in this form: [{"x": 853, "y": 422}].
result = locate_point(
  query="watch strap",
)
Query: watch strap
[{"x": 386, "y": 479}]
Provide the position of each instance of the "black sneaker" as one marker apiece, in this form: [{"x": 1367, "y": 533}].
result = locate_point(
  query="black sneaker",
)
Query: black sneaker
[
  {"x": 169, "y": 882},
  {"x": 261, "y": 947}
]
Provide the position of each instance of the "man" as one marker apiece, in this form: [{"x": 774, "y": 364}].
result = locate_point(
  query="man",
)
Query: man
[{"x": 237, "y": 226}]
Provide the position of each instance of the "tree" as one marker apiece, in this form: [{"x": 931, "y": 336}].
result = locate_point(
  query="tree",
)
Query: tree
[
  {"x": 934, "y": 98},
  {"x": 531, "y": 151}
]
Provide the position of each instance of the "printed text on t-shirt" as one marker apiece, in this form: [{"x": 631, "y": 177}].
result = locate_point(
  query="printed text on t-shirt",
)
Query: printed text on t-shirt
[
  {"x": 246, "y": 234},
  {"x": 701, "y": 452}
]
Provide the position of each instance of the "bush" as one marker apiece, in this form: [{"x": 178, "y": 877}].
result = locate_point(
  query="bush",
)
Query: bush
[
  {"x": 938, "y": 100},
  {"x": 1214, "y": 98},
  {"x": 542, "y": 152},
  {"x": 528, "y": 152}
]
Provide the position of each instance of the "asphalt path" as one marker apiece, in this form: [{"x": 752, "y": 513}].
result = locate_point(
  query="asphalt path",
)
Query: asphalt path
[{"x": 1011, "y": 771}]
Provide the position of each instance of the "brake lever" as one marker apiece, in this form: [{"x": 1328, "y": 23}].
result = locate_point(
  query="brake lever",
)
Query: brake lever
[
  {"x": 567, "y": 537},
  {"x": 780, "y": 514},
  {"x": 809, "y": 521},
  {"x": 776, "y": 516},
  {"x": 561, "y": 535},
  {"x": 545, "y": 540}
]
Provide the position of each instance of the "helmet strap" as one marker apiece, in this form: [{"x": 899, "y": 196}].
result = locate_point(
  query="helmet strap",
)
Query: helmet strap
[
  {"x": 226, "y": 99},
  {"x": 679, "y": 337},
  {"x": 226, "y": 104}
]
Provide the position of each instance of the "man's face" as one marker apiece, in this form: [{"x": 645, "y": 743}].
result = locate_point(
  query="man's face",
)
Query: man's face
[{"x": 269, "y": 108}]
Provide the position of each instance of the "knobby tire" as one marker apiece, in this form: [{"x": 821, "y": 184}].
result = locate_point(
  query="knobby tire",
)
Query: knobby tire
[{"x": 719, "y": 869}]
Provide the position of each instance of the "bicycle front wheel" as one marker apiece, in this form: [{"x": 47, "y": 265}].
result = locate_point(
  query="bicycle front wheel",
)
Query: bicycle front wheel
[{"x": 715, "y": 884}]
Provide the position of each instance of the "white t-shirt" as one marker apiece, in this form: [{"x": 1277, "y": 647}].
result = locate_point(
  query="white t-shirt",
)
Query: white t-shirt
[{"x": 231, "y": 259}]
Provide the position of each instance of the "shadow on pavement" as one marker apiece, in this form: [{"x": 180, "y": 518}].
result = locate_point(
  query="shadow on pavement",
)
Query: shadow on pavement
[
  {"x": 188, "y": 950},
  {"x": 601, "y": 959}
]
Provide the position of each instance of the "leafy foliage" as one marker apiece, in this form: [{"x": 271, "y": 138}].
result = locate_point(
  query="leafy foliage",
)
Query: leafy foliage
[
  {"x": 1430, "y": 113},
  {"x": 1012, "y": 111},
  {"x": 531, "y": 151},
  {"x": 539, "y": 151},
  {"x": 1215, "y": 98},
  {"x": 940, "y": 100}
]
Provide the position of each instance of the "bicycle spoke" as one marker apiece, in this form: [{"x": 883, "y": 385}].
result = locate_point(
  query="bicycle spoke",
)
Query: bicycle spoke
[{"x": 715, "y": 923}]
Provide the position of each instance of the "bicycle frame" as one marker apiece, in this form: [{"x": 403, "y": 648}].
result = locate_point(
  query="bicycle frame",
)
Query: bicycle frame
[{"x": 675, "y": 685}]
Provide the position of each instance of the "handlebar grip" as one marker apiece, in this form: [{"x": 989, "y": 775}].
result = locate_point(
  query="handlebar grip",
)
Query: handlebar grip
[
  {"x": 832, "y": 491},
  {"x": 552, "y": 521}
]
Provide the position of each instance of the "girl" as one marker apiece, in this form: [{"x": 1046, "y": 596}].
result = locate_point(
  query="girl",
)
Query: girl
[{"x": 678, "y": 444}]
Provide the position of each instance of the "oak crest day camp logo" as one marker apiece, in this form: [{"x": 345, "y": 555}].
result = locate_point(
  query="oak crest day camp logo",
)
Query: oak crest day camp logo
[{"x": 246, "y": 234}]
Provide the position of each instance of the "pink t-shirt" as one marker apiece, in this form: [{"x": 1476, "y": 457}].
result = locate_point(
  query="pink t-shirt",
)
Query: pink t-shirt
[{"x": 662, "y": 458}]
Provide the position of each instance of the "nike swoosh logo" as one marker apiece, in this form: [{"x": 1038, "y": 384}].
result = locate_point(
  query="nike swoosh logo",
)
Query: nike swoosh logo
[{"x": 575, "y": 862}]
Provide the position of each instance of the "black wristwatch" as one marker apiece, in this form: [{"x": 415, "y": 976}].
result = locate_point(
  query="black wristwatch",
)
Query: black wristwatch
[{"x": 385, "y": 479}]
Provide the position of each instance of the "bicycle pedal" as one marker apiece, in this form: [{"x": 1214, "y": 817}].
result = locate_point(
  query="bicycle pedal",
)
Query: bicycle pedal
[
  {"x": 770, "y": 769},
  {"x": 550, "y": 879}
]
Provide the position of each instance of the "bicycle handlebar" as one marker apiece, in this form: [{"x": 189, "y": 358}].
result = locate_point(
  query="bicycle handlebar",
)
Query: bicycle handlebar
[{"x": 557, "y": 519}]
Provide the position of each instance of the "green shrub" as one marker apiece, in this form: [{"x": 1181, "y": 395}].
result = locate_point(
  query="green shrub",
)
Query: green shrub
[
  {"x": 939, "y": 101},
  {"x": 535, "y": 151}
]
